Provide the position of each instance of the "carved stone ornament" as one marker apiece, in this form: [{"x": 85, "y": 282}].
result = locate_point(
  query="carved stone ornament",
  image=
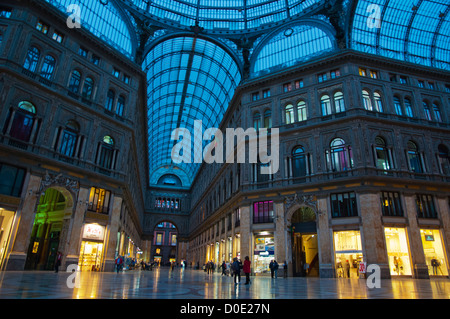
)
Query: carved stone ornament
[
  {"x": 59, "y": 180},
  {"x": 300, "y": 200}
]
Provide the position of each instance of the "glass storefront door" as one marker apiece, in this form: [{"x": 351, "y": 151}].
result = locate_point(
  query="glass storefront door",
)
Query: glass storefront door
[
  {"x": 398, "y": 251},
  {"x": 434, "y": 252},
  {"x": 90, "y": 256},
  {"x": 264, "y": 253},
  {"x": 348, "y": 253},
  {"x": 6, "y": 221}
]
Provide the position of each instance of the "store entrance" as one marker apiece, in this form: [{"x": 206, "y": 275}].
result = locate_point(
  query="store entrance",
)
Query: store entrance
[
  {"x": 305, "y": 251},
  {"x": 46, "y": 232},
  {"x": 90, "y": 256}
]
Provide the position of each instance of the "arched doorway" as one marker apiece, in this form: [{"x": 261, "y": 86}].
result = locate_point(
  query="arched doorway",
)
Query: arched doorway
[
  {"x": 50, "y": 226},
  {"x": 305, "y": 252}
]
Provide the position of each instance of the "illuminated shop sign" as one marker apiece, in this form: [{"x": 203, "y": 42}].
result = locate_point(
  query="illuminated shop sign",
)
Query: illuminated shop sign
[{"x": 93, "y": 231}]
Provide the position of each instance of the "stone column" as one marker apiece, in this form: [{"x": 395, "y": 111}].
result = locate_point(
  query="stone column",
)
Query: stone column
[
  {"x": 111, "y": 235},
  {"x": 245, "y": 232},
  {"x": 419, "y": 264},
  {"x": 280, "y": 232},
  {"x": 26, "y": 215},
  {"x": 373, "y": 233},
  {"x": 73, "y": 244},
  {"x": 325, "y": 241},
  {"x": 444, "y": 213}
]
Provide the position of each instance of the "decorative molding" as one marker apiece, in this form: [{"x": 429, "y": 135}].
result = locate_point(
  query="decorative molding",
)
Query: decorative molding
[{"x": 59, "y": 180}]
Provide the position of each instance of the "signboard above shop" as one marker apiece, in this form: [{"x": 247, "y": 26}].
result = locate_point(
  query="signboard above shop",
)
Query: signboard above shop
[{"x": 93, "y": 232}]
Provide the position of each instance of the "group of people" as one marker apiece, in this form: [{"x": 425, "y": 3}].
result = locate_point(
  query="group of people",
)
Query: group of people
[{"x": 234, "y": 268}]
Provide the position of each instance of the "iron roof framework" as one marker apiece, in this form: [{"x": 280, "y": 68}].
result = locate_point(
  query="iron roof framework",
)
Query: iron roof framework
[{"x": 196, "y": 52}]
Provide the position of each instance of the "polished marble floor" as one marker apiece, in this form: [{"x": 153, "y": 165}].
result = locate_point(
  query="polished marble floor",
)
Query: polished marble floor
[{"x": 194, "y": 284}]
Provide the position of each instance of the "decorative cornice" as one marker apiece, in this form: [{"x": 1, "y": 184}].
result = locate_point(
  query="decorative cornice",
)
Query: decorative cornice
[{"x": 59, "y": 180}]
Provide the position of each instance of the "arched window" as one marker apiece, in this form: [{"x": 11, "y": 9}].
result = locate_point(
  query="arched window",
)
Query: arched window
[
  {"x": 301, "y": 109},
  {"x": 69, "y": 138},
  {"x": 106, "y": 157},
  {"x": 256, "y": 121},
  {"x": 427, "y": 111},
  {"x": 382, "y": 154},
  {"x": 289, "y": 113},
  {"x": 299, "y": 164},
  {"x": 437, "y": 112},
  {"x": 75, "y": 81},
  {"x": 366, "y": 100},
  {"x": 408, "y": 107},
  {"x": 110, "y": 100},
  {"x": 397, "y": 106},
  {"x": 267, "y": 119},
  {"x": 339, "y": 103},
  {"x": 23, "y": 121},
  {"x": 48, "y": 67},
  {"x": 378, "y": 102},
  {"x": 32, "y": 59},
  {"x": 88, "y": 88},
  {"x": 444, "y": 159},
  {"x": 120, "y": 105},
  {"x": 340, "y": 156},
  {"x": 414, "y": 158},
  {"x": 325, "y": 104}
]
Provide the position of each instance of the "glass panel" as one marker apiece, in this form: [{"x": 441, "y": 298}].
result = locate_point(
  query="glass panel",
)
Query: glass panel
[
  {"x": 433, "y": 248},
  {"x": 398, "y": 251}
]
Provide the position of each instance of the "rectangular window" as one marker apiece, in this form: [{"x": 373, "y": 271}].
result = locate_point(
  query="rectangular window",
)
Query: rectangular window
[
  {"x": 95, "y": 59},
  {"x": 263, "y": 212},
  {"x": 266, "y": 93},
  {"x": 391, "y": 204},
  {"x": 5, "y": 12},
  {"x": 322, "y": 77},
  {"x": 126, "y": 79},
  {"x": 431, "y": 85},
  {"x": 425, "y": 206},
  {"x": 99, "y": 200},
  {"x": 83, "y": 52},
  {"x": 299, "y": 84},
  {"x": 159, "y": 239},
  {"x": 335, "y": 73},
  {"x": 343, "y": 205},
  {"x": 237, "y": 217},
  {"x": 116, "y": 72},
  {"x": 420, "y": 84},
  {"x": 403, "y": 80},
  {"x": 255, "y": 96},
  {"x": 11, "y": 180},
  {"x": 287, "y": 87},
  {"x": 58, "y": 37},
  {"x": 447, "y": 88},
  {"x": 41, "y": 26},
  {"x": 373, "y": 74},
  {"x": 362, "y": 72}
]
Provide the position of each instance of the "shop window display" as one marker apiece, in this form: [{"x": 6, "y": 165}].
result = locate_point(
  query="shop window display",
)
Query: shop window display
[
  {"x": 348, "y": 250},
  {"x": 264, "y": 254},
  {"x": 434, "y": 252},
  {"x": 398, "y": 252}
]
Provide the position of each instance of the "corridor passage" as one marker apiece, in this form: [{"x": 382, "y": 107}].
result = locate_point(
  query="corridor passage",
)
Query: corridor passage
[{"x": 196, "y": 284}]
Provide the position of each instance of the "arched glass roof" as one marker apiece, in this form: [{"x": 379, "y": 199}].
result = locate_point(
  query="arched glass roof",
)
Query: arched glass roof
[
  {"x": 188, "y": 79},
  {"x": 416, "y": 31},
  {"x": 222, "y": 14},
  {"x": 102, "y": 20},
  {"x": 292, "y": 45}
]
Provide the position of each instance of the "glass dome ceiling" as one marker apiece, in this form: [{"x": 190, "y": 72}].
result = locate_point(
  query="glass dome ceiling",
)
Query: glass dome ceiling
[
  {"x": 222, "y": 14},
  {"x": 190, "y": 76}
]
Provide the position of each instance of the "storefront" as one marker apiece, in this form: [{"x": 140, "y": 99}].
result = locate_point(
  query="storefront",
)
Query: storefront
[
  {"x": 348, "y": 253},
  {"x": 264, "y": 253},
  {"x": 398, "y": 251},
  {"x": 434, "y": 252},
  {"x": 6, "y": 222},
  {"x": 91, "y": 253}
]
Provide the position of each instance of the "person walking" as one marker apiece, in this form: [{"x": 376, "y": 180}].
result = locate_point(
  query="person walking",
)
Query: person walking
[
  {"x": 58, "y": 261},
  {"x": 119, "y": 263},
  {"x": 246, "y": 269},
  {"x": 275, "y": 268},
  {"x": 224, "y": 268},
  {"x": 237, "y": 271},
  {"x": 272, "y": 270}
]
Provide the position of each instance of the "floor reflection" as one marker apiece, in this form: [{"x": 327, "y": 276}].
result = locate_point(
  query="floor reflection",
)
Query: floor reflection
[{"x": 163, "y": 283}]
